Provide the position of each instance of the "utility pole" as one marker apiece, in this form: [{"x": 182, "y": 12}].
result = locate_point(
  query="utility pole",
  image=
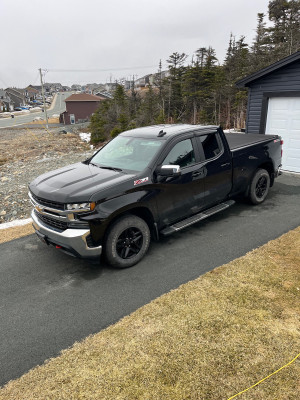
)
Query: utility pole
[{"x": 43, "y": 95}]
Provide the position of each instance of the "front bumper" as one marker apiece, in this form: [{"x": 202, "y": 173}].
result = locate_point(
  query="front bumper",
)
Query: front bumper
[{"x": 70, "y": 241}]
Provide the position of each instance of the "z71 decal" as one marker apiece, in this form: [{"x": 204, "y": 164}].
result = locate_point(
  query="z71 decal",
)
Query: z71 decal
[{"x": 139, "y": 181}]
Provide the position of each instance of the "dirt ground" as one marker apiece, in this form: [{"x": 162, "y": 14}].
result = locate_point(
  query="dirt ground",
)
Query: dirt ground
[{"x": 23, "y": 144}]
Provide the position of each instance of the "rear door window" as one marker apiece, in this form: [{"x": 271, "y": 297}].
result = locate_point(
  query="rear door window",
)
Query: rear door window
[{"x": 211, "y": 144}]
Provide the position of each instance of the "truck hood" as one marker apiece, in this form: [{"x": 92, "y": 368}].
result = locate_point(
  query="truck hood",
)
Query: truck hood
[{"x": 76, "y": 182}]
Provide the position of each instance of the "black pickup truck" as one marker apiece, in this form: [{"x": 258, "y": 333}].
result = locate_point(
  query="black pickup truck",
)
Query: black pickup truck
[{"x": 149, "y": 182}]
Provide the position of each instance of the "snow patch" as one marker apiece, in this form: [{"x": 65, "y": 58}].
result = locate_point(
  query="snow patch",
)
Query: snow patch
[
  {"x": 85, "y": 137},
  {"x": 17, "y": 222},
  {"x": 232, "y": 130}
]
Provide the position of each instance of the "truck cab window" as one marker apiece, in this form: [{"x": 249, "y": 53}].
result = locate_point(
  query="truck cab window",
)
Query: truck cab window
[
  {"x": 211, "y": 145},
  {"x": 182, "y": 154}
]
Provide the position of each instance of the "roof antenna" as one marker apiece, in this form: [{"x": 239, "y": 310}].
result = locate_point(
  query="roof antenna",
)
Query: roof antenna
[{"x": 161, "y": 133}]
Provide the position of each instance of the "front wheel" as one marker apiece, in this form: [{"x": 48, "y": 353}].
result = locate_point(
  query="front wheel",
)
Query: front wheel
[
  {"x": 259, "y": 187},
  {"x": 127, "y": 241}
]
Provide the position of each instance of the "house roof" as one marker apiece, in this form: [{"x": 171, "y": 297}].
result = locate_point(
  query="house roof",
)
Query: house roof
[
  {"x": 268, "y": 70},
  {"x": 83, "y": 97},
  {"x": 38, "y": 88},
  {"x": 31, "y": 89},
  {"x": 15, "y": 92}
]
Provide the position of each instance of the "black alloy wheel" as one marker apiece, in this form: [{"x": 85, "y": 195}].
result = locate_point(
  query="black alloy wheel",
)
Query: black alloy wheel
[
  {"x": 259, "y": 186},
  {"x": 127, "y": 241}
]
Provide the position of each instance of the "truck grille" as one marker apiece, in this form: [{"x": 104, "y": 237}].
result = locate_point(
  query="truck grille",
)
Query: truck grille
[
  {"x": 54, "y": 223},
  {"x": 48, "y": 203}
]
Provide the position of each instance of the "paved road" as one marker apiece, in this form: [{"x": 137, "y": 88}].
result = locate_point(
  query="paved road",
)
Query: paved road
[
  {"x": 57, "y": 107},
  {"x": 49, "y": 300}
]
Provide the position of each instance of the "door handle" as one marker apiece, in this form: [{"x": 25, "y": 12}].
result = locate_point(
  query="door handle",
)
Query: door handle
[
  {"x": 225, "y": 165},
  {"x": 197, "y": 173}
]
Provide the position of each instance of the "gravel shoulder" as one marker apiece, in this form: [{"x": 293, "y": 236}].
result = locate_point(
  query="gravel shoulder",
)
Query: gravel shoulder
[{"x": 28, "y": 153}]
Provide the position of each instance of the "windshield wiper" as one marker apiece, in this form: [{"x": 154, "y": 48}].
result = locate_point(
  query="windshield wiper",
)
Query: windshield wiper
[
  {"x": 105, "y": 167},
  {"x": 112, "y": 168},
  {"x": 95, "y": 165}
]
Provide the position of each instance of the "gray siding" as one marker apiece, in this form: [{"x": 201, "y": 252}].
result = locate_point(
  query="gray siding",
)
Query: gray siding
[{"x": 287, "y": 79}]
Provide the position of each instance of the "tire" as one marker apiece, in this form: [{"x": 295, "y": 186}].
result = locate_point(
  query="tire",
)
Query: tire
[
  {"x": 259, "y": 186},
  {"x": 127, "y": 241}
]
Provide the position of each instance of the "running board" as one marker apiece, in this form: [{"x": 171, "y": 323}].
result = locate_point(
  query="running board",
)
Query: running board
[{"x": 196, "y": 218}]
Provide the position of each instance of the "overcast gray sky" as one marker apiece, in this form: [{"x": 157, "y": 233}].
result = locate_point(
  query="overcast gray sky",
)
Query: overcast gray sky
[{"x": 114, "y": 37}]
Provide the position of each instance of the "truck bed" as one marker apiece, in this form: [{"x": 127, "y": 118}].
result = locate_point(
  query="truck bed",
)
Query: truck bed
[{"x": 238, "y": 141}]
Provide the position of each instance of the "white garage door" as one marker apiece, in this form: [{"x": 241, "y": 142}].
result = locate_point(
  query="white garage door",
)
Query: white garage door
[{"x": 284, "y": 119}]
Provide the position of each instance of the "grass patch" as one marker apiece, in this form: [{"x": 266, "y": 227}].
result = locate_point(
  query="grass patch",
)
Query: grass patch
[
  {"x": 50, "y": 121},
  {"x": 15, "y": 232},
  {"x": 209, "y": 339}
]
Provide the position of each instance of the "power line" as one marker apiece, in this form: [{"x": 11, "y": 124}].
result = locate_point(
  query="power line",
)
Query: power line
[{"x": 101, "y": 69}]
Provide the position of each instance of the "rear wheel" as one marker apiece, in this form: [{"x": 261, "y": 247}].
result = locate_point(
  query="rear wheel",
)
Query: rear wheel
[
  {"x": 127, "y": 241},
  {"x": 259, "y": 187}
]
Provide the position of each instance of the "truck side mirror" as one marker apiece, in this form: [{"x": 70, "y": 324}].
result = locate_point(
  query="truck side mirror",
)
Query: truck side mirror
[{"x": 169, "y": 170}]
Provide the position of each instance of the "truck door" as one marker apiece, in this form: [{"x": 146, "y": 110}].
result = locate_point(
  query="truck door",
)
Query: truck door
[
  {"x": 177, "y": 195},
  {"x": 217, "y": 168}
]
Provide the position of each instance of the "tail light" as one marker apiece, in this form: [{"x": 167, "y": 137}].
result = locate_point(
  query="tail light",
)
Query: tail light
[{"x": 281, "y": 143}]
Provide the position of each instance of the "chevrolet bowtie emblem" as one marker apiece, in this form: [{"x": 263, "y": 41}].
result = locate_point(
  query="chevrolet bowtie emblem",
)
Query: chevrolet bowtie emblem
[{"x": 39, "y": 209}]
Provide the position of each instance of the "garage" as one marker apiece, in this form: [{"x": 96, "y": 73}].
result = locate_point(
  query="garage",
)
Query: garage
[
  {"x": 283, "y": 118},
  {"x": 274, "y": 106}
]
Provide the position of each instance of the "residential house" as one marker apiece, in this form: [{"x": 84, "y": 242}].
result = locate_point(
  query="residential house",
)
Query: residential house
[
  {"x": 31, "y": 93},
  {"x": 6, "y": 103},
  {"x": 53, "y": 87},
  {"x": 274, "y": 106},
  {"x": 150, "y": 79},
  {"x": 17, "y": 96},
  {"x": 77, "y": 88},
  {"x": 110, "y": 87},
  {"x": 80, "y": 107},
  {"x": 104, "y": 94},
  {"x": 143, "y": 82}
]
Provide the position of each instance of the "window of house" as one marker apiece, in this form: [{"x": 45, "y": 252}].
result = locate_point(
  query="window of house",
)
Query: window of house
[{"x": 182, "y": 154}]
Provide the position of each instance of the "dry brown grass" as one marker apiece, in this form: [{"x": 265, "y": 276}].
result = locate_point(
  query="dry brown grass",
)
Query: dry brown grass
[
  {"x": 23, "y": 144},
  {"x": 209, "y": 339},
  {"x": 50, "y": 121},
  {"x": 15, "y": 232}
]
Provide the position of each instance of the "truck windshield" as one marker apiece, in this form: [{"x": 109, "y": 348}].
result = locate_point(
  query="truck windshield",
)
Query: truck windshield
[{"x": 127, "y": 153}]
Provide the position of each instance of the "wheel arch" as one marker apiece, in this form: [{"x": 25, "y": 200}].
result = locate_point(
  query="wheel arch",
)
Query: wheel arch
[
  {"x": 141, "y": 212},
  {"x": 269, "y": 167}
]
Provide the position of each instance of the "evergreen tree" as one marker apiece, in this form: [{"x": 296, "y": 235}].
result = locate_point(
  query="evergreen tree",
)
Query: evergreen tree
[
  {"x": 261, "y": 53},
  {"x": 176, "y": 107},
  {"x": 111, "y": 117},
  {"x": 203, "y": 92},
  {"x": 285, "y": 33},
  {"x": 149, "y": 109},
  {"x": 99, "y": 122},
  {"x": 192, "y": 90},
  {"x": 162, "y": 87},
  {"x": 237, "y": 65}
]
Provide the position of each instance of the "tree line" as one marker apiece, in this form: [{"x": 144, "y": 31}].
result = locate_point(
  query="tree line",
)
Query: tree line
[{"x": 203, "y": 91}]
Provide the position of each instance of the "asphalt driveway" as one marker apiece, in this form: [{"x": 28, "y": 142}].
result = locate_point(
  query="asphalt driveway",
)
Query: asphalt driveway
[{"x": 49, "y": 300}]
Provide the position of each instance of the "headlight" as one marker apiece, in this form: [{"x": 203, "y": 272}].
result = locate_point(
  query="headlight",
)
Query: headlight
[{"x": 81, "y": 206}]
